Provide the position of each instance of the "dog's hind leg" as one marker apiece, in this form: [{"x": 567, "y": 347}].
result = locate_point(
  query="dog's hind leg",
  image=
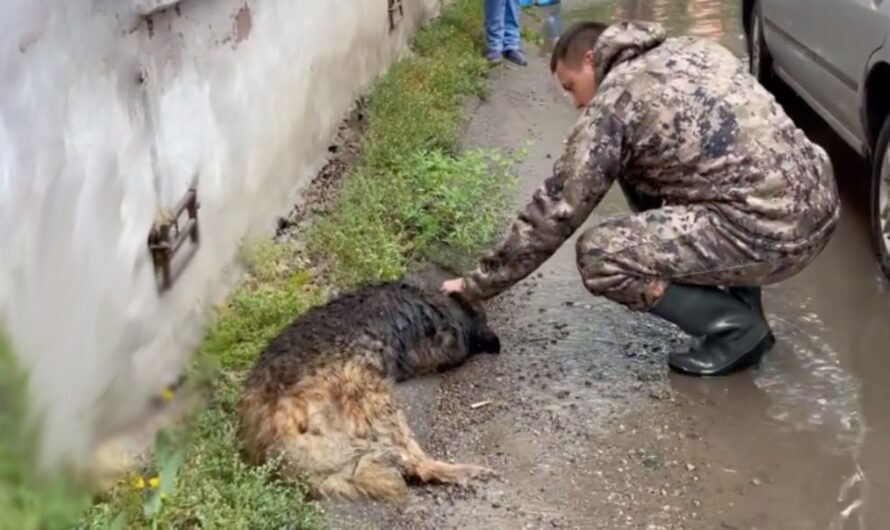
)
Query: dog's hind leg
[
  {"x": 367, "y": 424},
  {"x": 422, "y": 467},
  {"x": 398, "y": 451},
  {"x": 374, "y": 475},
  {"x": 380, "y": 477}
]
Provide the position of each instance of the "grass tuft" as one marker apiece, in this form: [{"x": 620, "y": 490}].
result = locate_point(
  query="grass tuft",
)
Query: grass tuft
[{"x": 413, "y": 194}]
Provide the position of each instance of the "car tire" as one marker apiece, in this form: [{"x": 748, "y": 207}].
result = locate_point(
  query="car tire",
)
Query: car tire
[
  {"x": 880, "y": 199},
  {"x": 760, "y": 62}
]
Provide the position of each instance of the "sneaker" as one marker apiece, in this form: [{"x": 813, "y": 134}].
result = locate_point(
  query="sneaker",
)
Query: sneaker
[
  {"x": 516, "y": 56},
  {"x": 493, "y": 57}
]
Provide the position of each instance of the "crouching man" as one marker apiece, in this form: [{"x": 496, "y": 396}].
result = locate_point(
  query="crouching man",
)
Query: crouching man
[{"x": 728, "y": 194}]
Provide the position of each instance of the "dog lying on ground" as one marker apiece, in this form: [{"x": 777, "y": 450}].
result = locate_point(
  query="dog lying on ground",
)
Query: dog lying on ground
[{"x": 319, "y": 395}]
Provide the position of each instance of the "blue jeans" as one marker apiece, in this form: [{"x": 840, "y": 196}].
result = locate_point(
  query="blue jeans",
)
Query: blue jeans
[{"x": 501, "y": 25}]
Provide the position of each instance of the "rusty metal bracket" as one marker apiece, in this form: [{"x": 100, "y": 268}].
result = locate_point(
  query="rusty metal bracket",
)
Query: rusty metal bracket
[
  {"x": 167, "y": 237},
  {"x": 396, "y": 13}
]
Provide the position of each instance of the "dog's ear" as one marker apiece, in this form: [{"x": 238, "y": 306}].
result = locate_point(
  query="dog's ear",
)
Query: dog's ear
[
  {"x": 465, "y": 303},
  {"x": 482, "y": 338}
]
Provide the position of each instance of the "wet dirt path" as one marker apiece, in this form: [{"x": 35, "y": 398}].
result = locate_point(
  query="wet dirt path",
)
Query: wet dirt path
[{"x": 579, "y": 414}]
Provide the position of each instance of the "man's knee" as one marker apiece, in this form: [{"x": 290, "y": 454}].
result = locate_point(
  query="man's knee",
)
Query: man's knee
[
  {"x": 608, "y": 270},
  {"x": 591, "y": 255}
]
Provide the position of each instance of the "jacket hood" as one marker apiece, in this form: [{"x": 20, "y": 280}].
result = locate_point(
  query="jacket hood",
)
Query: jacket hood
[{"x": 622, "y": 42}]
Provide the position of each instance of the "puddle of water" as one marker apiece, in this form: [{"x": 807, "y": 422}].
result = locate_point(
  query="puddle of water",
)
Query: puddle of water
[
  {"x": 837, "y": 311},
  {"x": 810, "y": 388},
  {"x": 715, "y": 19}
]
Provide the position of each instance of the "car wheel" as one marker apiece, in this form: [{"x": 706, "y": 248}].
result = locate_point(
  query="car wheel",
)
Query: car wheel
[
  {"x": 880, "y": 199},
  {"x": 760, "y": 63}
]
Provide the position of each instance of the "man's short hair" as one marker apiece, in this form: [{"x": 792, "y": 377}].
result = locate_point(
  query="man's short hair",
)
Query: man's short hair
[{"x": 580, "y": 38}]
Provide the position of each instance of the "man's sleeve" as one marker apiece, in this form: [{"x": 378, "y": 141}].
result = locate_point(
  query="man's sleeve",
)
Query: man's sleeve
[{"x": 593, "y": 158}]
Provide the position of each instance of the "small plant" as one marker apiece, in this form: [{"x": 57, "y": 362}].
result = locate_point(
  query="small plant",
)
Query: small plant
[
  {"x": 531, "y": 36},
  {"x": 429, "y": 201}
]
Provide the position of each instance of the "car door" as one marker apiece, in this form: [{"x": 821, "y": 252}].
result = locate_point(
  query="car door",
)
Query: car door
[
  {"x": 820, "y": 49},
  {"x": 785, "y": 29},
  {"x": 844, "y": 34}
]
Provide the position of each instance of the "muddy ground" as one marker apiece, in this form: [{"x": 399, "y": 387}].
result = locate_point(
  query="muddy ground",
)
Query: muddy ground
[{"x": 581, "y": 418}]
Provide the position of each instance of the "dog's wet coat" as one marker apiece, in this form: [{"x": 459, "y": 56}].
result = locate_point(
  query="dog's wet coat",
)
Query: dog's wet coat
[{"x": 319, "y": 395}]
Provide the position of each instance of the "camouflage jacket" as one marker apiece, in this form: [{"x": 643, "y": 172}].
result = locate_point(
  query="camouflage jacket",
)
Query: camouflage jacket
[{"x": 681, "y": 120}]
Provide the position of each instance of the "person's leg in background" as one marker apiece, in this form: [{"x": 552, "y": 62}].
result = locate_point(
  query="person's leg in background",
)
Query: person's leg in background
[
  {"x": 493, "y": 12},
  {"x": 512, "y": 38}
]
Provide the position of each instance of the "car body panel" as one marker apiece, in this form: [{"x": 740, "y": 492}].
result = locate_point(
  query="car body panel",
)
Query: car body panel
[{"x": 822, "y": 49}]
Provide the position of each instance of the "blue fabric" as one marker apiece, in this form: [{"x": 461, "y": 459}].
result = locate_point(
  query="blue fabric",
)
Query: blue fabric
[{"x": 501, "y": 25}]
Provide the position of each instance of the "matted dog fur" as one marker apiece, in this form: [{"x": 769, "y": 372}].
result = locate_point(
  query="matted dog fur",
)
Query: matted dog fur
[{"x": 319, "y": 395}]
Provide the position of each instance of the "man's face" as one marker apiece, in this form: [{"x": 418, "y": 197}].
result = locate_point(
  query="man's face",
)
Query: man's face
[{"x": 577, "y": 79}]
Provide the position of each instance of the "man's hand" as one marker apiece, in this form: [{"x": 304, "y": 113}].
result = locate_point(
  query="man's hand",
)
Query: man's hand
[{"x": 453, "y": 286}]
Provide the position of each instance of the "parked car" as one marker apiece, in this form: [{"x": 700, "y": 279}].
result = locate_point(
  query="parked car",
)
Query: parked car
[{"x": 835, "y": 55}]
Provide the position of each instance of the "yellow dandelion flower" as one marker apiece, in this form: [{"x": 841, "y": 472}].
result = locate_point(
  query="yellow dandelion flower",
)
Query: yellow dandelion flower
[
  {"x": 154, "y": 482},
  {"x": 138, "y": 483},
  {"x": 167, "y": 394}
]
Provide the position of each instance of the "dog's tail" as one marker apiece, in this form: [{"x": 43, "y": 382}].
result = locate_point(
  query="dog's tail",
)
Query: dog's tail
[{"x": 340, "y": 432}]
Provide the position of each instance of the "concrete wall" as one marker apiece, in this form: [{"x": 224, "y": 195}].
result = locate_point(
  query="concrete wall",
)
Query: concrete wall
[{"x": 107, "y": 116}]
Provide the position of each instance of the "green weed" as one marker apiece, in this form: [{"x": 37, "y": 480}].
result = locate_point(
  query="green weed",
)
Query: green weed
[
  {"x": 413, "y": 196},
  {"x": 428, "y": 201},
  {"x": 531, "y": 36}
]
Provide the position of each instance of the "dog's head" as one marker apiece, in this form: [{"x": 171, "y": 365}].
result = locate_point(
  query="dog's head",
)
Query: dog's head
[{"x": 481, "y": 338}]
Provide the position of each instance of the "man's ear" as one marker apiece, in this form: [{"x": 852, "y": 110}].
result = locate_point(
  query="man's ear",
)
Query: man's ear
[{"x": 588, "y": 57}]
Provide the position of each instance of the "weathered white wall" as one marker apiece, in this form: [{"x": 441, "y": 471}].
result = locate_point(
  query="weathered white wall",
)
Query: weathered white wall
[{"x": 106, "y": 117}]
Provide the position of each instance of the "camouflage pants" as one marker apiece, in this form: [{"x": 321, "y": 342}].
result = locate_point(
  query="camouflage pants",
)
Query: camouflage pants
[{"x": 631, "y": 259}]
